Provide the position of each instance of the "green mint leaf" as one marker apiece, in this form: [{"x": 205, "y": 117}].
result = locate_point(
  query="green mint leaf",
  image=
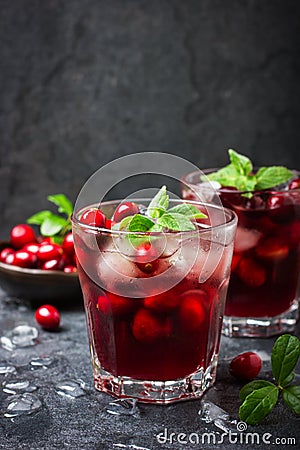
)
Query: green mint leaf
[
  {"x": 140, "y": 223},
  {"x": 156, "y": 228},
  {"x": 159, "y": 202},
  {"x": 187, "y": 210},
  {"x": 287, "y": 380},
  {"x": 53, "y": 225},
  {"x": 225, "y": 176},
  {"x": 123, "y": 224},
  {"x": 245, "y": 183},
  {"x": 175, "y": 222},
  {"x": 38, "y": 218},
  {"x": 268, "y": 177},
  {"x": 284, "y": 357},
  {"x": 253, "y": 386},
  {"x": 242, "y": 164},
  {"x": 258, "y": 404},
  {"x": 291, "y": 396},
  {"x": 63, "y": 203}
]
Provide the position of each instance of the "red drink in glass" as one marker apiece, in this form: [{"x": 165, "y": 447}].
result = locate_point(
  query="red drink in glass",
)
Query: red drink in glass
[
  {"x": 263, "y": 293},
  {"x": 154, "y": 307}
]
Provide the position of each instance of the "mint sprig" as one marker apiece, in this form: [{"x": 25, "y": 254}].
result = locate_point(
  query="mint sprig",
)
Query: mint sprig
[
  {"x": 239, "y": 174},
  {"x": 158, "y": 217},
  {"x": 259, "y": 397},
  {"x": 54, "y": 225}
]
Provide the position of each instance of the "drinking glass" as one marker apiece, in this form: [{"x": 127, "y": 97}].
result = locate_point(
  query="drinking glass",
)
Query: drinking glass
[
  {"x": 154, "y": 303},
  {"x": 263, "y": 293}
]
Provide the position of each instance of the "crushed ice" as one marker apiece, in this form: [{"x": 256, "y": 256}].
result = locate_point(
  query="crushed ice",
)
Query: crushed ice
[
  {"x": 71, "y": 388},
  {"x": 43, "y": 362},
  {"x": 23, "y": 404},
  {"x": 19, "y": 337},
  {"x": 123, "y": 407},
  {"x": 6, "y": 369},
  {"x": 211, "y": 413},
  {"x": 130, "y": 447}
]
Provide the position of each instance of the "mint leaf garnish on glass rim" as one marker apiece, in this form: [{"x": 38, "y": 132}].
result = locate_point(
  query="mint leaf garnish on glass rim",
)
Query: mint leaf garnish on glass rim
[
  {"x": 159, "y": 218},
  {"x": 259, "y": 397},
  {"x": 54, "y": 225},
  {"x": 239, "y": 174}
]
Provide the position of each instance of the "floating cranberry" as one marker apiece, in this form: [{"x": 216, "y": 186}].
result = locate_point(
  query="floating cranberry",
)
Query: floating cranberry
[
  {"x": 164, "y": 302},
  {"x": 251, "y": 273},
  {"x": 114, "y": 304},
  {"x": 148, "y": 328},
  {"x": 245, "y": 366},
  {"x": 48, "y": 317},
  {"x": 276, "y": 201},
  {"x": 21, "y": 235},
  {"x": 49, "y": 251},
  {"x": 5, "y": 252},
  {"x": 46, "y": 240},
  {"x": 124, "y": 210},
  {"x": 193, "y": 309},
  {"x": 70, "y": 269},
  {"x": 94, "y": 217},
  {"x": 146, "y": 258},
  {"x": 22, "y": 258},
  {"x": 68, "y": 244},
  {"x": 52, "y": 264},
  {"x": 295, "y": 184},
  {"x": 109, "y": 224},
  {"x": 272, "y": 249}
]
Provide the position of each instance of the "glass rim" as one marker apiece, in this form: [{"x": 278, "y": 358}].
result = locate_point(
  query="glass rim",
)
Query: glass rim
[
  {"x": 226, "y": 189},
  {"x": 232, "y": 219}
]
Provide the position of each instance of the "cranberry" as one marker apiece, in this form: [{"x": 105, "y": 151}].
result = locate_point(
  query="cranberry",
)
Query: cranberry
[
  {"x": 32, "y": 248},
  {"x": 165, "y": 302},
  {"x": 115, "y": 304},
  {"x": 46, "y": 240},
  {"x": 52, "y": 264},
  {"x": 22, "y": 258},
  {"x": 148, "y": 328},
  {"x": 5, "y": 252},
  {"x": 70, "y": 269},
  {"x": 21, "y": 235},
  {"x": 235, "y": 261},
  {"x": 125, "y": 209},
  {"x": 146, "y": 258},
  {"x": 276, "y": 201},
  {"x": 109, "y": 224},
  {"x": 272, "y": 249},
  {"x": 68, "y": 244},
  {"x": 48, "y": 317},
  {"x": 193, "y": 309},
  {"x": 94, "y": 217},
  {"x": 295, "y": 184},
  {"x": 49, "y": 251},
  {"x": 251, "y": 272},
  {"x": 245, "y": 366}
]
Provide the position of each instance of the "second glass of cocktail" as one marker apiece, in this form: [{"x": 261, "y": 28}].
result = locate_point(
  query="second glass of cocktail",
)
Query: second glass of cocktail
[{"x": 154, "y": 275}]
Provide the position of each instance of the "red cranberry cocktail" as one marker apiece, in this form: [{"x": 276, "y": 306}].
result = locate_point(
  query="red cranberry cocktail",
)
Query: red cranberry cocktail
[
  {"x": 154, "y": 324},
  {"x": 262, "y": 298}
]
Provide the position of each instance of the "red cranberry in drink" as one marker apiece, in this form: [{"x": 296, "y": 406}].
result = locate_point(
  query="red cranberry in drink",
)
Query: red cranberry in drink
[
  {"x": 21, "y": 235},
  {"x": 193, "y": 310},
  {"x": 251, "y": 273},
  {"x": 68, "y": 244},
  {"x": 124, "y": 210},
  {"x": 5, "y": 252},
  {"x": 49, "y": 251},
  {"x": 294, "y": 184},
  {"x": 146, "y": 258},
  {"x": 272, "y": 249},
  {"x": 94, "y": 217},
  {"x": 70, "y": 269},
  {"x": 280, "y": 207},
  {"x": 22, "y": 258},
  {"x": 32, "y": 248},
  {"x": 46, "y": 240},
  {"x": 245, "y": 366},
  {"x": 52, "y": 264},
  {"x": 48, "y": 317},
  {"x": 109, "y": 224},
  {"x": 148, "y": 328},
  {"x": 114, "y": 304},
  {"x": 165, "y": 302}
]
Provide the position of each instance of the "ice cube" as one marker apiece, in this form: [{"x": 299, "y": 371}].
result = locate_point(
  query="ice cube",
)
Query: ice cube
[{"x": 246, "y": 239}]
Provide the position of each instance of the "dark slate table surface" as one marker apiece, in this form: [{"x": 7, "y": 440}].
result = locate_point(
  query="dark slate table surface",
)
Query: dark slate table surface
[{"x": 87, "y": 419}]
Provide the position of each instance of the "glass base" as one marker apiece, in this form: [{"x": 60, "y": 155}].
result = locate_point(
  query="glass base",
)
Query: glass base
[
  {"x": 262, "y": 326},
  {"x": 159, "y": 392}
]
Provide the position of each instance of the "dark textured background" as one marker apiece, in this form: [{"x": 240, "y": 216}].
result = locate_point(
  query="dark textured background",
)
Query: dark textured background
[{"x": 85, "y": 81}]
